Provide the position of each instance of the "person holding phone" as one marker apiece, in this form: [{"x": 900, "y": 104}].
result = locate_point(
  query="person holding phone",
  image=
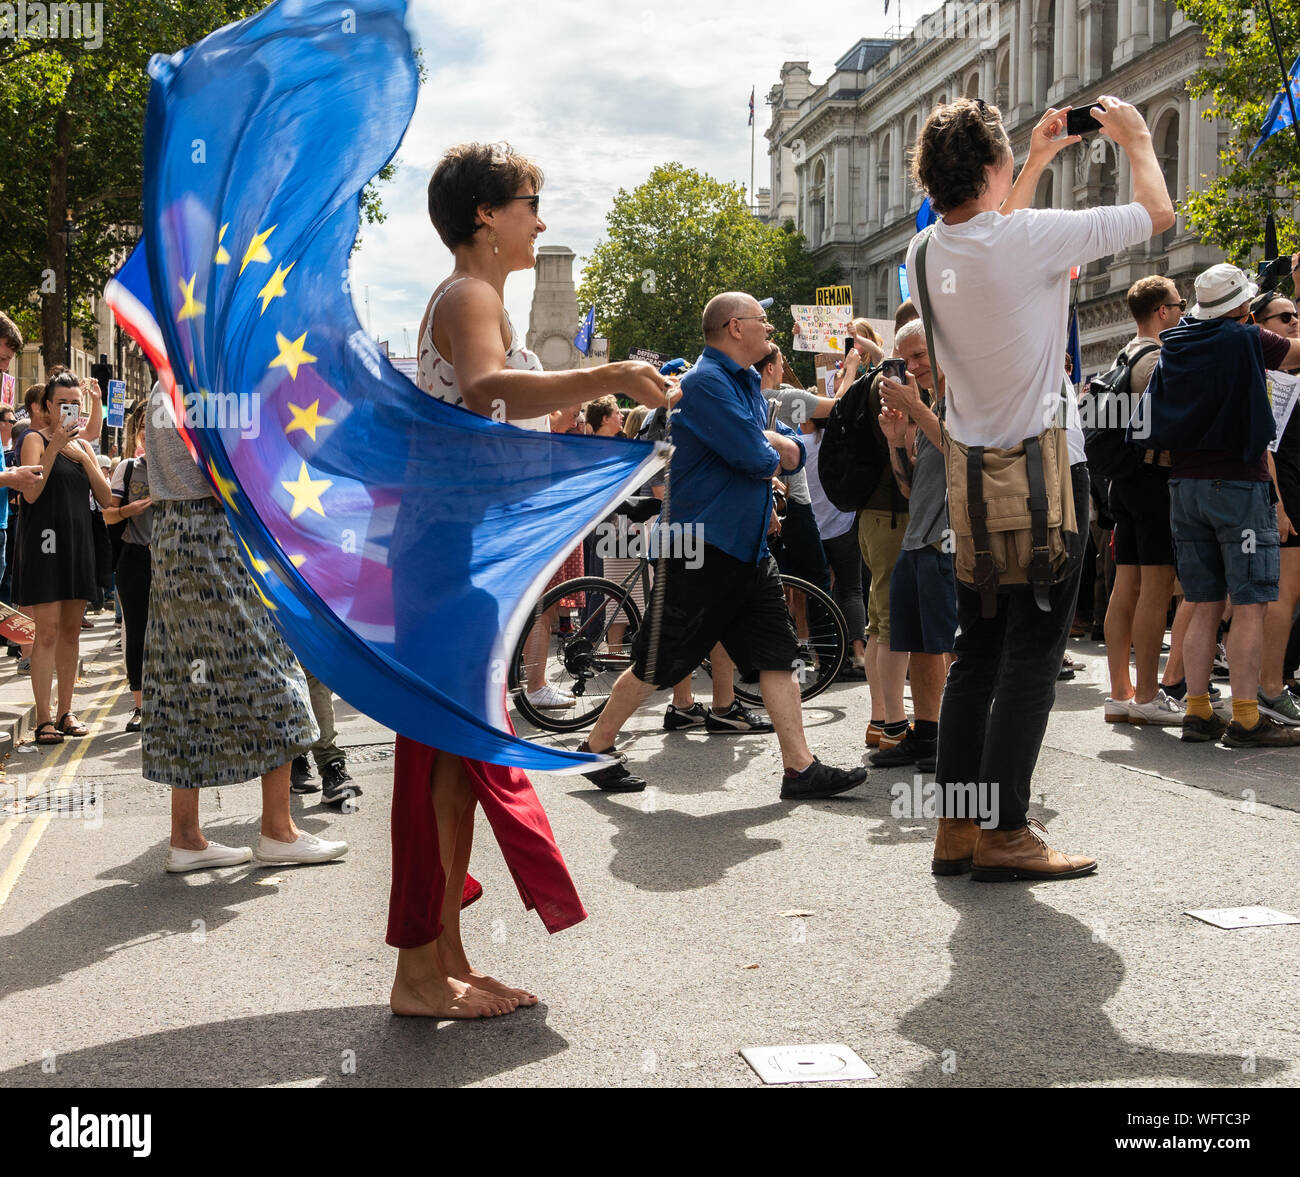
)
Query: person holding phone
[{"x": 55, "y": 572}]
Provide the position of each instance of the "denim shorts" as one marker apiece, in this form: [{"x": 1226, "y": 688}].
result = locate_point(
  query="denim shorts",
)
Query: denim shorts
[
  {"x": 1225, "y": 540},
  {"x": 923, "y": 603}
]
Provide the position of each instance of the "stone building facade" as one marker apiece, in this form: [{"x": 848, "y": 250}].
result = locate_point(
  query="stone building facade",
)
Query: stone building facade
[{"x": 839, "y": 150}]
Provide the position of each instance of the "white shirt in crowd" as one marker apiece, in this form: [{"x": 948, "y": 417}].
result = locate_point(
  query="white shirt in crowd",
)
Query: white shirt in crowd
[{"x": 999, "y": 293}]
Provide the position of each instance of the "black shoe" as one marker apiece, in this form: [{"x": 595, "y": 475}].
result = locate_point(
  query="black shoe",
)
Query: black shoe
[
  {"x": 13, "y": 651},
  {"x": 909, "y": 750},
  {"x": 819, "y": 780},
  {"x": 615, "y": 778},
  {"x": 735, "y": 719},
  {"x": 300, "y": 776},
  {"x": 133, "y": 724},
  {"x": 339, "y": 785},
  {"x": 927, "y": 763},
  {"x": 1201, "y": 731},
  {"x": 678, "y": 719}
]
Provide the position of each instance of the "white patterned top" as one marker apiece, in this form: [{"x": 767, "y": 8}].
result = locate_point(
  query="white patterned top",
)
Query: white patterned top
[{"x": 437, "y": 377}]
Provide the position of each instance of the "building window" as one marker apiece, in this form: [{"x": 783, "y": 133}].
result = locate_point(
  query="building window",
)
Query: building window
[{"x": 817, "y": 205}]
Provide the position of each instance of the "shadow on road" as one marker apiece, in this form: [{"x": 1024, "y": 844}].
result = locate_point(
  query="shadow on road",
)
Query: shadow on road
[
  {"x": 356, "y": 1046},
  {"x": 658, "y": 849},
  {"x": 144, "y": 904},
  {"x": 1025, "y": 1004}
]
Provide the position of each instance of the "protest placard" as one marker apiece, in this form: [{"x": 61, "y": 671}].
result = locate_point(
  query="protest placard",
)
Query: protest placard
[
  {"x": 116, "y": 404},
  {"x": 16, "y": 627},
  {"x": 1282, "y": 390},
  {"x": 647, "y": 356},
  {"x": 821, "y": 328},
  {"x": 8, "y": 388}
]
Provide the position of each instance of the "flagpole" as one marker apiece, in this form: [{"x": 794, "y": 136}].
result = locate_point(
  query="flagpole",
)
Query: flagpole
[
  {"x": 1286, "y": 77},
  {"x": 753, "y": 123}
]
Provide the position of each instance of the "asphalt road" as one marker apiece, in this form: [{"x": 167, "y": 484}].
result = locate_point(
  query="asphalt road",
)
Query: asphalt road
[{"x": 114, "y": 973}]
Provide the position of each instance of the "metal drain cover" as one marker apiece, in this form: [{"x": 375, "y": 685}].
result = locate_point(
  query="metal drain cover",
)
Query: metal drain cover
[
  {"x": 1242, "y": 917},
  {"x": 823, "y": 1063}
]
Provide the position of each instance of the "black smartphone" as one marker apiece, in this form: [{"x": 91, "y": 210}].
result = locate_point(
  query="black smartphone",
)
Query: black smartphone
[
  {"x": 1081, "y": 122},
  {"x": 849, "y": 342},
  {"x": 895, "y": 369}
]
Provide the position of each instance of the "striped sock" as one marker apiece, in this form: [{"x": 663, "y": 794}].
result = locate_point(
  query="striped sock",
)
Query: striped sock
[
  {"x": 1199, "y": 706},
  {"x": 1245, "y": 712}
]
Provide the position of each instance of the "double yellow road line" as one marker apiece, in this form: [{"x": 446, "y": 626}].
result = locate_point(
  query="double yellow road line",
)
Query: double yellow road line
[{"x": 59, "y": 767}]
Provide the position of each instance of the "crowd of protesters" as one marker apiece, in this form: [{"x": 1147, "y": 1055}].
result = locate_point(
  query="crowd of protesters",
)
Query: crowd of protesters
[{"x": 1198, "y": 530}]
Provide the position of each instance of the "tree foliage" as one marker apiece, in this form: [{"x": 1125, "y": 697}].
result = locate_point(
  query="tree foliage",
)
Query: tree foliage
[
  {"x": 72, "y": 129},
  {"x": 1240, "y": 80},
  {"x": 674, "y": 242}
]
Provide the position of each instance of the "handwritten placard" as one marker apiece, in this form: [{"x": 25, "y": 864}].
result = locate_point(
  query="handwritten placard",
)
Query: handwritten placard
[
  {"x": 1282, "y": 392},
  {"x": 821, "y": 328}
]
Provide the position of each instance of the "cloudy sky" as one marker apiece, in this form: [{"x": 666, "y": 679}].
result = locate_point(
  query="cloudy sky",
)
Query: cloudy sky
[{"x": 597, "y": 94}]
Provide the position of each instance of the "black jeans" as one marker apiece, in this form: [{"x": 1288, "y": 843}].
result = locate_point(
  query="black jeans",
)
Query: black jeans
[
  {"x": 134, "y": 575},
  {"x": 1002, "y": 685}
]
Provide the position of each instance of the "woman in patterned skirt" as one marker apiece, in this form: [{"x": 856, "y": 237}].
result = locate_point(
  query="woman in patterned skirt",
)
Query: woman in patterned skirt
[
  {"x": 224, "y": 698},
  {"x": 483, "y": 201}
]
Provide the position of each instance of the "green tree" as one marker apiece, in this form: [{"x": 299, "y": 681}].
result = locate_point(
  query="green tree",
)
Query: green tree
[
  {"x": 72, "y": 129},
  {"x": 671, "y": 245},
  {"x": 1240, "y": 81}
]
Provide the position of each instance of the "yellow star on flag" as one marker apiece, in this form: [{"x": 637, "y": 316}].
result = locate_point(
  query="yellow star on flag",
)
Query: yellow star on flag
[
  {"x": 192, "y": 308},
  {"x": 292, "y": 355},
  {"x": 306, "y": 492},
  {"x": 297, "y": 561},
  {"x": 257, "y": 251},
  {"x": 261, "y": 567},
  {"x": 223, "y": 255},
  {"x": 308, "y": 419},
  {"x": 225, "y": 487},
  {"x": 274, "y": 287}
]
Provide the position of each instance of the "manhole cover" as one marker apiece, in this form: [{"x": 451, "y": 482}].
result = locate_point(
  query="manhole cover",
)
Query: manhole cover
[
  {"x": 1242, "y": 917},
  {"x": 806, "y": 1064}
]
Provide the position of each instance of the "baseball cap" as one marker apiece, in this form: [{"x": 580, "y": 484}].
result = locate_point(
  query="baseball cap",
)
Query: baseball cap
[
  {"x": 766, "y": 302},
  {"x": 1219, "y": 289},
  {"x": 674, "y": 367}
]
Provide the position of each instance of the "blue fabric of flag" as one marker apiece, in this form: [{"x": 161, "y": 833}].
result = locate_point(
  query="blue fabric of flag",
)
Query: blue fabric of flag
[
  {"x": 925, "y": 215},
  {"x": 1072, "y": 346},
  {"x": 582, "y": 341},
  {"x": 1278, "y": 117},
  {"x": 399, "y": 541}
]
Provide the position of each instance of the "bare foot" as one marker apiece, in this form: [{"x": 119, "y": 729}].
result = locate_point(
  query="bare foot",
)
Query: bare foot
[
  {"x": 446, "y": 997},
  {"x": 472, "y": 976}
]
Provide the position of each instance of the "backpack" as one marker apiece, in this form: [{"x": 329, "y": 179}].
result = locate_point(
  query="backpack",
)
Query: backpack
[
  {"x": 853, "y": 454},
  {"x": 1108, "y": 405}
]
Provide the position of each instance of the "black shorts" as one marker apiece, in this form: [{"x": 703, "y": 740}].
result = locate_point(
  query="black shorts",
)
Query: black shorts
[
  {"x": 724, "y": 600},
  {"x": 1140, "y": 508}
]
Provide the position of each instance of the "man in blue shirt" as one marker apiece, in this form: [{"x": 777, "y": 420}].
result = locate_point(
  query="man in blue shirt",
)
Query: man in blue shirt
[{"x": 721, "y": 488}]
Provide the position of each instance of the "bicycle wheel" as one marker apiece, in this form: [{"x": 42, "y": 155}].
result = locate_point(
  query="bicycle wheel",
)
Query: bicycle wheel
[
  {"x": 823, "y": 641},
  {"x": 589, "y": 644}
]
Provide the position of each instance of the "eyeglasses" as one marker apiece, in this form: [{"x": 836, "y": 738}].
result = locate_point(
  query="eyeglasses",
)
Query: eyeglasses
[
  {"x": 1287, "y": 317},
  {"x": 535, "y": 201},
  {"x": 1181, "y": 304},
  {"x": 761, "y": 318}
]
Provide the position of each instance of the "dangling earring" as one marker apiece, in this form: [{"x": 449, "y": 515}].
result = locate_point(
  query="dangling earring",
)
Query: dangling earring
[{"x": 492, "y": 240}]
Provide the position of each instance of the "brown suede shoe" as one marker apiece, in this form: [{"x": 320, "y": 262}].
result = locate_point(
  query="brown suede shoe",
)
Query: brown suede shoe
[
  {"x": 1003, "y": 855},
  {"x": 954, "y": 843}
]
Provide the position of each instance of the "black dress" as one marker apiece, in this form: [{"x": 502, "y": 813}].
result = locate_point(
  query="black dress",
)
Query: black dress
[{"x": 55, "y": 549}]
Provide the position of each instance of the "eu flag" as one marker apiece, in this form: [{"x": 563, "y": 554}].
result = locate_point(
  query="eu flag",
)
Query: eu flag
[
  {"x": 1073, "y": 349},
  {"x": 1278, "y": 117},
  {"x": 399, "y": 542},
  {"x": 582, "y": 341}
]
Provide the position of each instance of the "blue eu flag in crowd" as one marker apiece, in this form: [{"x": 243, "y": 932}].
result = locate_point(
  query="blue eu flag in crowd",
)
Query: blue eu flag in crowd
[
  {"x": 398, "y": 541},
  {"x": 582, "y": 341},
  {"x": 1278, "y": 117}
]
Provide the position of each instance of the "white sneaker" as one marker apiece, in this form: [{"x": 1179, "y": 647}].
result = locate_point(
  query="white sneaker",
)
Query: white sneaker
[
  {"x": 307, "y": 848},
  {"x": 215, "y": 855},
  {"x": 1118, "y": 710},
  {"x": 551, "y": 698},
  {"x": 1162, "y": 711}
]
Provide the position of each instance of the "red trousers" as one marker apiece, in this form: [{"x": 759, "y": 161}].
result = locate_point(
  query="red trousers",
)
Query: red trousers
[{"x": 519, "y": 823}]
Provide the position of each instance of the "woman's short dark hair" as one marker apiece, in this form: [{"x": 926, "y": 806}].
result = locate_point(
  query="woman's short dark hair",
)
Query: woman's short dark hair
[
  {"x": 470, "y": 175},
  {"x": 64, "y": 379},
  {"x": 959, "y": 140}
]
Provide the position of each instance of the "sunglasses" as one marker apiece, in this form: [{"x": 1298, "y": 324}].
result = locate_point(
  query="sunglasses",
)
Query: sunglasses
[
  {"x": 1287, "y": 317},
  {"x": 1181, "y": 304},
  {"x": 534, "y": 201}
]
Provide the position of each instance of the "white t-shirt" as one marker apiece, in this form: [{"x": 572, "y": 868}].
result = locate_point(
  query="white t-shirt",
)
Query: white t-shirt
[
  {"x": 831, "y": 521},
  {"x": 1000, "y": 292}
]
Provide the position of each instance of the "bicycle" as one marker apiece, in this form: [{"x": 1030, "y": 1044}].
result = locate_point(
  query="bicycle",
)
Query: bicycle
[{"x": 582, "y": 658}]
